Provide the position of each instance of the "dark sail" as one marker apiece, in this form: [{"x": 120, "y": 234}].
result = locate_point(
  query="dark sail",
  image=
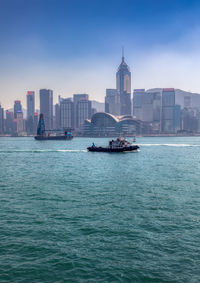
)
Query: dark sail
[{"x": 41, "y": 126}]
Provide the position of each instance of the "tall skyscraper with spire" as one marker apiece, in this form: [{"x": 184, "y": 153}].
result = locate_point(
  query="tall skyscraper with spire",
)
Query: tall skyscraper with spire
[{"x": 123, "y": 85}]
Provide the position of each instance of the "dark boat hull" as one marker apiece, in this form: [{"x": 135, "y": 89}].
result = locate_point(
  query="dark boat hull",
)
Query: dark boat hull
[
  {"x": 44, "y": 138},
  {"x": 108, "y": 149}
]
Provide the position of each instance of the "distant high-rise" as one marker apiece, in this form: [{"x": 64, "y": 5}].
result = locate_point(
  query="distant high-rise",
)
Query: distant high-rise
[
  {"x": 17, "y": 107},
  {"x": 112, "y": 102},
  {"x": 82, "y": 96},
  {"x": 46, "y": 107},
  {"x": 146, "y": 105},
  {"x": 30, "y": 98},
  {"x": 190, "y": 120},
  {"x": 84, "y": 111},
  {"x": 123, "y": 85},
  {"x": 167, "y": 117},
  {"x": 1, "y": 120},
  {"x": 76, "y": 99},
  {"x": 93, "y": 111},
  {"x": 35, "y": 122},
  {"x": 66, "y": 113},
  {"x": 9, "y": 122},
  {"x": 57, "y": 116},
  {"x": 177, "y": 118},
  {"x": 20, "y": 122},
  {"x": 138, "y": 102},
  {"x": 156, "y": 106},
  {"x": 187, "y": 101}
]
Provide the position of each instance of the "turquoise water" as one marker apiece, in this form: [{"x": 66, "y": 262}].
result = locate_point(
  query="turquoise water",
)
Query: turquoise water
[{"x": 68, "y": 215}]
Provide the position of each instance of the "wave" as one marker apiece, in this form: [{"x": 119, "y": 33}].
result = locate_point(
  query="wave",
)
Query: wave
[
  {"x": 170, "y": 144},
  {"x": 43, "y": 150}
]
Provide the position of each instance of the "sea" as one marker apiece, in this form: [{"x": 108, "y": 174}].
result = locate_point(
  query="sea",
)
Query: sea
[{"x": 68, "y": 215}]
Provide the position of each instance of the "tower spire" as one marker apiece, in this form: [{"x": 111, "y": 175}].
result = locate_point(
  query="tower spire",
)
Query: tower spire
[{"x": 122, "y": 53}]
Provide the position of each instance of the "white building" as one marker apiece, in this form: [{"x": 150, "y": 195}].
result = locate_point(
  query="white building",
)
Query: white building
[{"x": 66, "y": 113}]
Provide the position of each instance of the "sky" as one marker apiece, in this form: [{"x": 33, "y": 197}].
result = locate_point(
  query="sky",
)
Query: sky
[{"x": 74, "y": 46}]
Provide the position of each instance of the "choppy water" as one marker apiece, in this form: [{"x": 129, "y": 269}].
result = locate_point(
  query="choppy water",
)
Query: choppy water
[{"x": 68, "y": 215}]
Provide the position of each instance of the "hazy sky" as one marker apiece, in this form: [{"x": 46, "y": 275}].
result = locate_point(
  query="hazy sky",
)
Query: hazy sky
[{"x": 74, "y": 46}]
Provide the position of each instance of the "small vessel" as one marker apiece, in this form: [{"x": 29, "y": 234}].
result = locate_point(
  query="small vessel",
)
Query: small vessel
[
  {"x": 41, "y": 133},
  {"x": 118, "y": 145},
  {"x": 134, "y": 139}
]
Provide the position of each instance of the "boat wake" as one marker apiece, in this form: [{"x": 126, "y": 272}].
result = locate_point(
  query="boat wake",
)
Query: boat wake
[{"x": 169, "y": 144}]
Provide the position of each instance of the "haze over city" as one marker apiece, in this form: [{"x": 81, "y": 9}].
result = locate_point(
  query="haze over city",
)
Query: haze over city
[
  {"x": 75, "y": 46},
  {"x": 99, "y": 141}
]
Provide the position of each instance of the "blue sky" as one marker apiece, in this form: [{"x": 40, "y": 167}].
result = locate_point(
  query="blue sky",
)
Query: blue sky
[{"x": 74, "y": 46}]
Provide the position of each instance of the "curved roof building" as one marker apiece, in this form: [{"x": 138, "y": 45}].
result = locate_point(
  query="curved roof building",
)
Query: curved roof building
[
  {"x": 106, "y": 124},
  {"x": 104, "y": 119}
]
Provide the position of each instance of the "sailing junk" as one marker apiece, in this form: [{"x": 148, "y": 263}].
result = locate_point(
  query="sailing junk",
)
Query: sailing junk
[{"x": 41, "y": 133}]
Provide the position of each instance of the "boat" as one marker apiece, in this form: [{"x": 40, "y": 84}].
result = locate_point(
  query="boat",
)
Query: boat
[
  {"x": 42, "y": 135},
  {"x": 118, "y": 145}
]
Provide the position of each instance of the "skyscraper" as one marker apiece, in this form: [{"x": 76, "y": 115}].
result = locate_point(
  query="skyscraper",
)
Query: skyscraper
[
  {"x": 138, "y": 101},
  {"x": 46, "y": 107},
  {"x": 112, "y": 102},
  {"x": 168, "y": 104},
  {"x": 9, "y": 122},
  {"x": 123, "y": 85},
  {"x": 20, "y": 122},
  {"x": 177, "y": 117},
  {"x": 57, "y": 116},
  {"x": 17, "y": 107},
  {"x": 84, "y": 111},
  {"x": 35, "y": 122},
  {"x": 66, "y": 113},
  {"x": 76, "y": 99},
  {"x": 30, "y": 98},
  {"x": 146, "y": 105}
]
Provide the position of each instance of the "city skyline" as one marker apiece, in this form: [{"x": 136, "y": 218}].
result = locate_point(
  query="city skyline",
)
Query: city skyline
[{"x": 79, "y": 50}]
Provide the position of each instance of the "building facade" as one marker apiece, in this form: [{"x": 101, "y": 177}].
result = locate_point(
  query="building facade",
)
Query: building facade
[
  {"x": 138, "y": 103},
  {"x": 112, "y": 102},
  {"x": 146, "y": 105},
  {"x": 177, "y": 118},
  {"x": 66, "y": 113},
  {"x": 57, "y": 116},
  {"x": 168, "y": 103},
  {"x": 84, "y": 111},
  {"x": 46, "y": 107},
  {"x": 190, "y": 120},
  {"x": 35, "y": 122},
  {"x": 20, "y": 123},
  {"x": 9, "y": 127},
  {"x": 30, "y": 100},
  {"x": 76, "y": 99},
  {"x": 17, "y": 107},
  {"x": 1, "y": 120}
]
